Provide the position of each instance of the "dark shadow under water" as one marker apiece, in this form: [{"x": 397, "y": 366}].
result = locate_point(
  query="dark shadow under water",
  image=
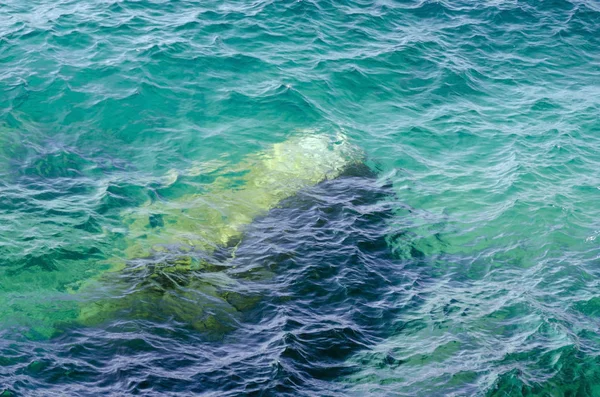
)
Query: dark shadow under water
[{"x": 316, "y": 285}]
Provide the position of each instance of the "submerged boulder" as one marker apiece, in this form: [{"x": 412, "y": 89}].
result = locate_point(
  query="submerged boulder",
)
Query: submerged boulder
[{"x": 174, "y": 263}]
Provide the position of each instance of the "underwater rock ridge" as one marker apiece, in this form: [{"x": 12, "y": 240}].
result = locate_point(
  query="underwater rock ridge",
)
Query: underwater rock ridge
[{"x": 177, "y": 252}]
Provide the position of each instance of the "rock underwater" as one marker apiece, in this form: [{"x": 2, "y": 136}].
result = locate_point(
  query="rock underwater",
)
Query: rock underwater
[{"x": 177, "y": 252}]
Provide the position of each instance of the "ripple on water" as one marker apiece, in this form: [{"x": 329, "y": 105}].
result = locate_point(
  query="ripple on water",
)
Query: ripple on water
[{"x": 472, "y": 270}]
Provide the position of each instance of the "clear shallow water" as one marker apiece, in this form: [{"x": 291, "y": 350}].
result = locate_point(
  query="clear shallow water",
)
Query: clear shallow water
[{"x": 464, "y": 261}]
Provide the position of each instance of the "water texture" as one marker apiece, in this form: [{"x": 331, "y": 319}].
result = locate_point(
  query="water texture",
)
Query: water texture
[{"x": 459, "y": 257}]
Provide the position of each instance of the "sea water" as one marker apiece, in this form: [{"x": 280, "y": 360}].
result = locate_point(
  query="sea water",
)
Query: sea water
[{"x": 456, "y": 252}]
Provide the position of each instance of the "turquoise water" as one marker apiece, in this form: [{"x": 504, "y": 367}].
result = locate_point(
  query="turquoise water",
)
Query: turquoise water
[{"x": 457, "y": 254}]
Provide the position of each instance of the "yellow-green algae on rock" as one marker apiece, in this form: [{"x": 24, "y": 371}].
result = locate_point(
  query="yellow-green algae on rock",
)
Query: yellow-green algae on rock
[
  {"x": 218, "y": 216},
  {"x": 191, "y": 290}
]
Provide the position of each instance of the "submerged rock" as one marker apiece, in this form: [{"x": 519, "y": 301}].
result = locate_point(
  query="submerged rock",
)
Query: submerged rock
[{"x": 171, "y": 266}]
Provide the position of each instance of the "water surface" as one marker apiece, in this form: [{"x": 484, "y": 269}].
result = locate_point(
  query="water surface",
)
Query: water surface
[{"x": 461, "y": 258}]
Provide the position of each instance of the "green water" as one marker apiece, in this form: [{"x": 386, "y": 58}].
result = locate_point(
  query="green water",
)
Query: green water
[{"x": 479, "y": 121}]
